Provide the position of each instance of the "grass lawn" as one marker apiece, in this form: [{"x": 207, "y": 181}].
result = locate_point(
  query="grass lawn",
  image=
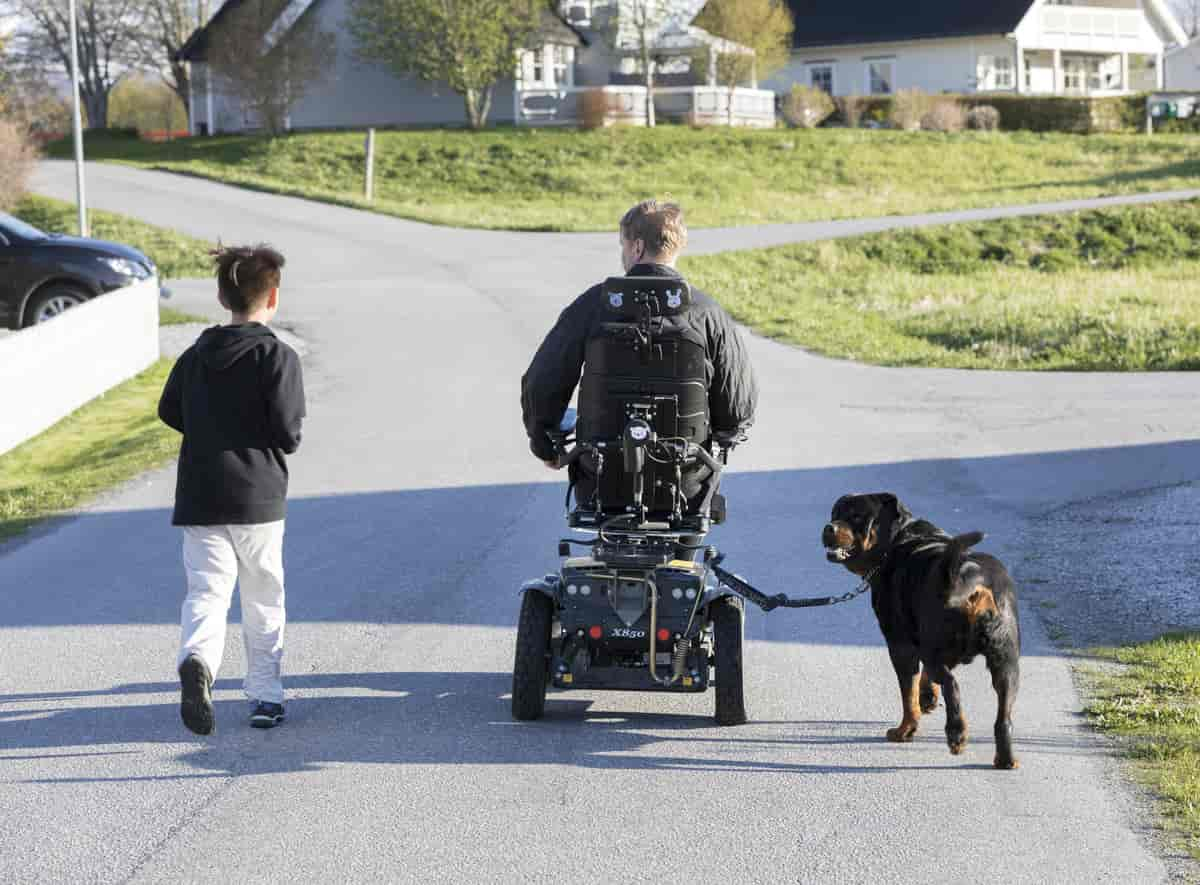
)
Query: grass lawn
[
  {"x": 177, "y": 255},
  {"x": 1154, "y": 702},
  {"x": 110, "y": 440},
  {"x": 568, "y": 180},
  {"x": 1109, "y": 290}
]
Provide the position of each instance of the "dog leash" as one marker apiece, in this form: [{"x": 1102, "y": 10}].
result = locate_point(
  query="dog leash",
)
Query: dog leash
[{"x": 781, "y": 600}]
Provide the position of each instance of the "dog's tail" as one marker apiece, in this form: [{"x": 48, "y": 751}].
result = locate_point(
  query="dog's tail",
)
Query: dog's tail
[{"x": 961, "y": 576}]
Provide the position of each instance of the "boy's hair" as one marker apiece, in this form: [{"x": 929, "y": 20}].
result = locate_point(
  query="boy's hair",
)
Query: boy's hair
[
  {"x": 659, "y": 225},
  {"x": 246, "y": 274}
]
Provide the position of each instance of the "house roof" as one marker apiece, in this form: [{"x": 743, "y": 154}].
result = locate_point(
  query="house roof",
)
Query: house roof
[
  {"x": 840, "y": 22},
  {"x": 552, "y": 26}
]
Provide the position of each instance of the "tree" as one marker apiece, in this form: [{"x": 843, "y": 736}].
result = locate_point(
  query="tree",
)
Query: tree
[
  {"x": 169, "y": 24},
  {"x": 109, "y": 44},
  {"x": 269, "y": 59},
  {"x": 759, "y": 35},
  {"x": 636, "y": 26},
  {"x": 146, "y": 103},
  {"x": 468, "y": 44}
]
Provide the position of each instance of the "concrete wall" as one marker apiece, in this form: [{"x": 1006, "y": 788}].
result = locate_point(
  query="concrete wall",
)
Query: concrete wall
[{"x": 57, "y": 366}]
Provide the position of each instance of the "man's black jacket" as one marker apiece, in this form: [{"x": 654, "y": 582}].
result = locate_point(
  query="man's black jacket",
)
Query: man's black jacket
[
  {"x": 237, "y": 396},
  {"x": 548, "y": 384}
]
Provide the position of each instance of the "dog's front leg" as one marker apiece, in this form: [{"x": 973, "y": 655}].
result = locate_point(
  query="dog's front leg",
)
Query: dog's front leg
[
  {"x": 908, "y": 673},
  {"x": 956, "y": 722}
]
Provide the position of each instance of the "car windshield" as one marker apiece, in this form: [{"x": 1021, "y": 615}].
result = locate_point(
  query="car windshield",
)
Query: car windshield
[{"x": 14, "y": 227}]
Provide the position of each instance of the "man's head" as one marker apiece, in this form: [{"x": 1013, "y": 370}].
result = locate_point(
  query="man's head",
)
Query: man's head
[
  {"x": 248, "y": 280},
  {"x": 652, "y": 233}
]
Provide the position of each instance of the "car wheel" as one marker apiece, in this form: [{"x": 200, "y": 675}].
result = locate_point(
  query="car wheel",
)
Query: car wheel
[
  {"x": 52, "y": 301},
  {"x": 531, "y": 669},
  {"x": 727, "y": 621}
]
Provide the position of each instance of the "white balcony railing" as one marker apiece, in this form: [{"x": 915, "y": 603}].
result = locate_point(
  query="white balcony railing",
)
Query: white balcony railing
[{"x": 1093, "y": 23}]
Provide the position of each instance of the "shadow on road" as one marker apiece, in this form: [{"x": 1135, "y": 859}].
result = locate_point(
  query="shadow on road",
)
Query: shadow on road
[
  {"x": 453, "y": 719},
  {"x": 457, "y": 555}
]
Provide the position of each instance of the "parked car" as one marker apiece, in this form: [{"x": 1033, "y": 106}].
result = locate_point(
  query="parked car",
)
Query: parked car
[{"x": 42, "y": 274}]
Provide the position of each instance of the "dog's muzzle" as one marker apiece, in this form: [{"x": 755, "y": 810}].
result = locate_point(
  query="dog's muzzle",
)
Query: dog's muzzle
[{"x": 835, "y": 541}]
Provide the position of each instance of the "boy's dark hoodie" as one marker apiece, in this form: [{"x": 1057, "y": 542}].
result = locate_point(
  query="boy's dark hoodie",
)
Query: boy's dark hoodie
[{"x": 237, "y": 397}]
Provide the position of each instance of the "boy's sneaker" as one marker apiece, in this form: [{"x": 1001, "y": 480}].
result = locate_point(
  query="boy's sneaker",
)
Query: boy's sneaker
[
  {"x": 265, "y": 715},
  {"x": 195, "y": 704}
]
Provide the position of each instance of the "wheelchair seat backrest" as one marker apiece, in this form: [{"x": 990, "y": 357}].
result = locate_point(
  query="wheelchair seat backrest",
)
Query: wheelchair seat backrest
[{"x": 646, "y": 360}]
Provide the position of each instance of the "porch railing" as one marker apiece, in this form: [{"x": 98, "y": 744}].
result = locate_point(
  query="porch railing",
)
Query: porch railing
[
  {"x": 699, "y": 105},
  {"x": 708, "y": 105},
  {"x": 564, "y": 106}
]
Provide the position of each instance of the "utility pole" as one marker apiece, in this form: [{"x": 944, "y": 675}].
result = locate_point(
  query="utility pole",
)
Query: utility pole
[{"x": 77, "y": 123}]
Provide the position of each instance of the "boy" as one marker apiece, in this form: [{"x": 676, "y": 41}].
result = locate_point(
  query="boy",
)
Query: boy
[{"x": 237, "y": 397}]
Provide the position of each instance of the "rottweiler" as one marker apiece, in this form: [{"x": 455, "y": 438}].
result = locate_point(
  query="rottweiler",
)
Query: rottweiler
[{"x": 938, "y": 605}]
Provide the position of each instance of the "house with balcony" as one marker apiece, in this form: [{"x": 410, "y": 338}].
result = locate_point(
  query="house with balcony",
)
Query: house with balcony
[
  {"x": 571, "y": 61},
  {"x": 1020, "y": 47}
]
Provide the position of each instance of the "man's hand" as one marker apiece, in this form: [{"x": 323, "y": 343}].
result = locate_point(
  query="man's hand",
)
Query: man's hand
[{"x": 553, "y": 465}]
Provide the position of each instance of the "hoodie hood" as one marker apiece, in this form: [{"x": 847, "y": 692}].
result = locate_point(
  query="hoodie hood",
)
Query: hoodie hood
[{"x": 221, "y": 346}]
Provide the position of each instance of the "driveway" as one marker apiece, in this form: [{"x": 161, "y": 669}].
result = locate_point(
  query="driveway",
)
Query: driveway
[{"x": 417, "y": 511}]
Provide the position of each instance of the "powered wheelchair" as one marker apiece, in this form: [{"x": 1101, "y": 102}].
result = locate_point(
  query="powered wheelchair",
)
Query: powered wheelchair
[{"x": 639, "y": 610}]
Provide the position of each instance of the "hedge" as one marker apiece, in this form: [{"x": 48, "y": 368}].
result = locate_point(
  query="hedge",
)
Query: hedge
[{"x": 1126, "y": 113}]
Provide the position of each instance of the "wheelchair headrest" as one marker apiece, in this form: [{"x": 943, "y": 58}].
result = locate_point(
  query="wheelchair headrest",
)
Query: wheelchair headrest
[{"x": 628, "y": 297}]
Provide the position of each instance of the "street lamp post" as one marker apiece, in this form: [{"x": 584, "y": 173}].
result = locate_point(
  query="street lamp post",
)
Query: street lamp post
[{"x": 77, "y": 123}]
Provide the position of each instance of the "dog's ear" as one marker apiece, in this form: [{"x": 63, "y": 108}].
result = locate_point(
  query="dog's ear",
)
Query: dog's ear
[
  {"x": 899, "y": 514},
  {"x": 838, "y": 503}
]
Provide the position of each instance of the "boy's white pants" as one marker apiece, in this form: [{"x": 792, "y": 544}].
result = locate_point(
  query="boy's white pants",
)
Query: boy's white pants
[{"x": 216, "y": 557}]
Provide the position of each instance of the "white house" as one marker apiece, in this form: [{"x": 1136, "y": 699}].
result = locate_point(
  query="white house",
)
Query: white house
[
  {"x": 572, "y": 55},
  {"x": 1183, "y": 67},
  {"x": 1024, "y": 47}
]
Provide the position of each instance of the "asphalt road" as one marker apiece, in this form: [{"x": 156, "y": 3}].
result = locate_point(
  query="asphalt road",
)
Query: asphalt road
[{"x": 416, "y": 513}]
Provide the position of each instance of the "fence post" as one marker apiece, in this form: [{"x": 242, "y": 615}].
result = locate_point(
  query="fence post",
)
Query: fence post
[
  {"x": 369, "y": 182},
  {"x": 1149, "y": 115}
]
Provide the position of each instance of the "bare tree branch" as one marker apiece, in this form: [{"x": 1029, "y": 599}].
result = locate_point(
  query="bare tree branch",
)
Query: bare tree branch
[
  {"x": 109, "y": 44},
  {"x": 268, "y": 76}
]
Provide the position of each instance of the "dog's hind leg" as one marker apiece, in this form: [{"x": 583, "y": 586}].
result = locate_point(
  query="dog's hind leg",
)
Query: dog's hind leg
[
  {"x": 1006, "y": 677},
  {"x": 929, "y": 692},
  {"x": 956, "y": 722},
  {"x": 908, "y": 672}
]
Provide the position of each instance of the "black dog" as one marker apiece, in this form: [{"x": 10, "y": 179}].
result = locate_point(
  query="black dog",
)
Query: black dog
[{"x": 938, "y": 606}]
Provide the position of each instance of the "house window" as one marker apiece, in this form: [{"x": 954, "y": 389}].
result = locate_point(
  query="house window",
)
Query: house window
[
  {"x": 821, "y": 77},
  {"x": 539, "y": 66},
  {"x": 879, "y": 77},
  {"x": 995, "y": 72},
  {"x": 1082, "y": 75},
  {"x": 561, "y": 57}
]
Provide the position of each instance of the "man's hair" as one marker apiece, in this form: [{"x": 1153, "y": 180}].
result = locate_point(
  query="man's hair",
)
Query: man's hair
[
  {"x": 246, "y": 274},
  {"x": 659, "y": 225}
]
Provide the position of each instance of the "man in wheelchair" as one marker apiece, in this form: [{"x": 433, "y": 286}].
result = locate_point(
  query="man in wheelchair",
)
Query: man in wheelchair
[{"x": 664, "y": 374}]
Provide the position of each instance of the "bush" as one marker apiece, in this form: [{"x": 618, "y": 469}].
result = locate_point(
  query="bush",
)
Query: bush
[
  {"x": 909, "y": 108},
  {"x": 593, "y": 109},
  {"x": 851, "y": 109},
  {"x": 17, "y": 156},
  {"x": 984, "y": 118},
  {"x": 807, "y": 107},
  {"x": 946, "y": 115}
]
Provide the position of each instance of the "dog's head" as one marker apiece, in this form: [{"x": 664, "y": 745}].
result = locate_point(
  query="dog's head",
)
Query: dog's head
[{"x": 861, "y": 529}]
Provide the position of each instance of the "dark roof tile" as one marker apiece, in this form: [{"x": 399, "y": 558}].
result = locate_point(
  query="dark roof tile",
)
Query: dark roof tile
[{"x": 839, "y": 22}]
